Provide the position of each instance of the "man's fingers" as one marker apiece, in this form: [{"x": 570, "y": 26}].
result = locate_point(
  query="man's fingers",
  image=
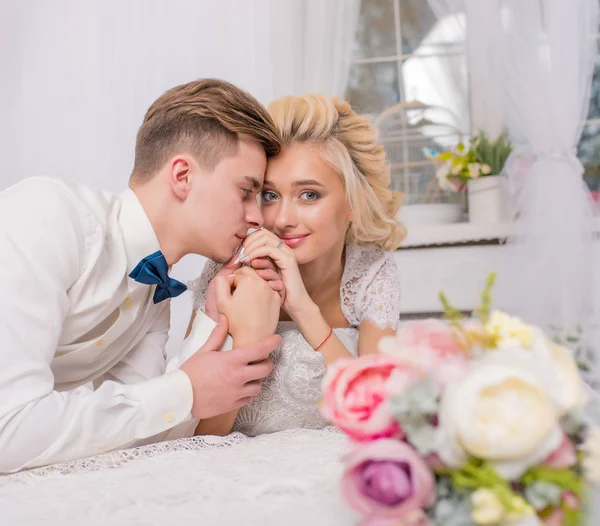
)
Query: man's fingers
[
  {"x": 251, "y": 389},
  {"x": 268, "y": 275},
  {"x": 258, "y": 371},
  {"x": 263, "y": 263},
  {"x": 277, "y": 286},
  {"x": 231, "y": 265},
  {"x": 246, "y": 271},
  {"x": 243, "y": 402},
  {"x": 259, "y": 351},
  {"x": 223, "y": 286},
  {"x": 217, "y": 336}
]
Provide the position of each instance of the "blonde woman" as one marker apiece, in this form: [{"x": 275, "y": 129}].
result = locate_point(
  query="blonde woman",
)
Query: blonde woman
[{"x": 330, "y": 227}]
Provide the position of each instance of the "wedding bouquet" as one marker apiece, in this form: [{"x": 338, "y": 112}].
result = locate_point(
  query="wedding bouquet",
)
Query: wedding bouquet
[{"x": 465, "y": 422}]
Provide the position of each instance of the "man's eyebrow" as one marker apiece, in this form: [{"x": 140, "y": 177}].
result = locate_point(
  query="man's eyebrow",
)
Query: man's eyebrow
[{"x": 253, "y": 181}]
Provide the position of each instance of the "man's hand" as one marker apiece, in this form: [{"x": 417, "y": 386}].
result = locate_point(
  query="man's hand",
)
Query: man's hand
[
  {"x": 250, "y": 305},
  {"x": 265, "y": 268},
  {"x": 225, "y": 381}
]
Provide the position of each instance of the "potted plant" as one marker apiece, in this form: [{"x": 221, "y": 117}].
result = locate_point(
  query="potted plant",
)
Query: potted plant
[{"x": 476, "y": 167}]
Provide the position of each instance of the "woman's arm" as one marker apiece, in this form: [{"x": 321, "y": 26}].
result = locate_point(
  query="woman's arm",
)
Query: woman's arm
[{"x": 369, "y": 335}]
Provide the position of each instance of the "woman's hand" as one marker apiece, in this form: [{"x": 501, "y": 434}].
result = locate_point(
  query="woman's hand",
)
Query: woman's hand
[{"x": 264, "y": 244}]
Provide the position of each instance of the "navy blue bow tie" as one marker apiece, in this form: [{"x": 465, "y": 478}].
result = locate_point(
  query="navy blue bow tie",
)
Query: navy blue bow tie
[{"x": 153, "y": 270}]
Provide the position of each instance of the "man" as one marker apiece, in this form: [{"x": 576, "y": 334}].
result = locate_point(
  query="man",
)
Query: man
[{"x": 85, "y": 291}]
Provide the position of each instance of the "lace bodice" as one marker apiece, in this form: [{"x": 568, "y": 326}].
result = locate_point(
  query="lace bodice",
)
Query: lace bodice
[
  {"x": 290, "y": 394},
  {"x": 369, "y": 291}
]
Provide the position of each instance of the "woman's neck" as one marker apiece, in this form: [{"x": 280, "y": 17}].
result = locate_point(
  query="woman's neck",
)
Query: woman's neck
[{"x": 322, "y": 276}]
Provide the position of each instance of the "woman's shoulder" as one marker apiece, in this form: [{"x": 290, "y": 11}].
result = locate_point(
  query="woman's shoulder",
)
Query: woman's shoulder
[
  {"x": 370, "y": 277},
  {"x": 366, "y": 261}
]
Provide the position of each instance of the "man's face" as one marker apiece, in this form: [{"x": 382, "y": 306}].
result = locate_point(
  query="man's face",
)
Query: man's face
[{"x": 223, "y": 204}]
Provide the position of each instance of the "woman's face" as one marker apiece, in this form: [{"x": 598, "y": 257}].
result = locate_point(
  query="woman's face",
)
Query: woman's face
[{"x": 304, "y": 202}]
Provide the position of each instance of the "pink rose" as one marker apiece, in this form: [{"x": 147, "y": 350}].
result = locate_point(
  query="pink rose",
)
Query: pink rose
[
  {"x": 432, "y": 346},
  {"x": 563, "y": 457},
  {"x": 355, "y": 397},
  {"x": 387, "y": 479}
]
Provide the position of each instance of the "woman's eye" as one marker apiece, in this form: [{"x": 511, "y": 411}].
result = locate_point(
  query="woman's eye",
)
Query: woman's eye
[
  {"x": 268, "y": 196},
  {"x": 309, "y": 196}
]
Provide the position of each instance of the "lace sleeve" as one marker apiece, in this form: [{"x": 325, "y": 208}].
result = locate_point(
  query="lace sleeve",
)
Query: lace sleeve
[
  {"x": 199, "y": 286},
  {"x": 371, "y": 287}
]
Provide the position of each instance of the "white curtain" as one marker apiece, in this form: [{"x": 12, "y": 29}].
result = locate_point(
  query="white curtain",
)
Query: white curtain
[
  {"x": 76, "y": 76},
  {"x": 485, "y": 76},
  {"x": 311, "y": 45},
  {"x": 546, "y": 50}
]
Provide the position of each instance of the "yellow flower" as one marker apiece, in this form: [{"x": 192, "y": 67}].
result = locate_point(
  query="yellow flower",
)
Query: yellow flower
[
  {"x": 591, "y": 461},
  {"x": 474, "y": 170},
  {"x": 486, "y": 169},
  {"x": 487, "y": 508},
  {"x": 509, "y": 331}
]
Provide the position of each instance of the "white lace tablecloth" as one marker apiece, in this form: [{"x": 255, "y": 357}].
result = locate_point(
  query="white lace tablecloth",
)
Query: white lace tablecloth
[{"x": 284, "y": 479}]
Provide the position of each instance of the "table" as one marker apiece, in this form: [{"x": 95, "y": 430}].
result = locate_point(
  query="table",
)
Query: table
[{"x": 288, "y": 478}]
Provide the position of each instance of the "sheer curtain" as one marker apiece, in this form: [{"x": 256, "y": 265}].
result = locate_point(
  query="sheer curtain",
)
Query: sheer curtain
[
  {"x": 312, "y": 54},
  {"x": 487, "y": 107},
  {"x": 76, "y": 77},
  {"x": 546, "y": 52}
]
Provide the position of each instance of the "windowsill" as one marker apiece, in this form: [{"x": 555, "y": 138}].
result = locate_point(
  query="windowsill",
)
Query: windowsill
[{"x": 459, "y": 234}]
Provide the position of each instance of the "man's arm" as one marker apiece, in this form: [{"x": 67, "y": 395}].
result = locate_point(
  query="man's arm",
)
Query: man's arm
[{"x": 42, "y": 245}]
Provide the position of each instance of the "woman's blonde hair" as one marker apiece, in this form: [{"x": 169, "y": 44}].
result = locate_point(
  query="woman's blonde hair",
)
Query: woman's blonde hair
[{"x": 349, "y": 144}]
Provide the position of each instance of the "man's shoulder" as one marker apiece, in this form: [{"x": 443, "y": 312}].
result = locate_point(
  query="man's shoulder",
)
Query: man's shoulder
[
  {"x": 51, "y": 188},
  {"x": 42, "y": 193}
]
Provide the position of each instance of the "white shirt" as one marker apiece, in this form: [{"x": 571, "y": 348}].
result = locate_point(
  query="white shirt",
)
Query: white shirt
[{"x": 70, "y": 317}]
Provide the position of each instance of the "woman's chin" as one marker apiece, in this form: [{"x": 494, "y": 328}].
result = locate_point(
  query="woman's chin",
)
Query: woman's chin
[{"x": 304, "y": 255}]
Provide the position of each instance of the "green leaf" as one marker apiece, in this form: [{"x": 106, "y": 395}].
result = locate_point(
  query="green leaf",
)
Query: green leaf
[
  {"x": 542, "y": 494},
  {"x": 483, "y": 312}
]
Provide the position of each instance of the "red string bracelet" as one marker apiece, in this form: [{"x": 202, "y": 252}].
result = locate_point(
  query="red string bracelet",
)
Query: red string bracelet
[{"x": 327, "y": 338}]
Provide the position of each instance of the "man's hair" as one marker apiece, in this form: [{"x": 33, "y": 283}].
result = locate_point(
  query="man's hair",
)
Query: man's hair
[{"x": 203, "y": 118}]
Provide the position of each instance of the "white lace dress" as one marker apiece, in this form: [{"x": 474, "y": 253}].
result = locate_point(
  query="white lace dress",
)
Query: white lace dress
[{"x": 289, "y": 398}]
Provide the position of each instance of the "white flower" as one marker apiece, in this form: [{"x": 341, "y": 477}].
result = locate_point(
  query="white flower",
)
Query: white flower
[
  {"x": 591, "y": 461},
  {"x": 486, "y": 169},
  {"x": 566, "y": 383},
  {"x": 500, "y": 411},
  {"x": 487, "y": 508},
  {"x": 555, "y": 363},
  {"x": 442, "y": 174},
  {"x": 474, "y": 170}
]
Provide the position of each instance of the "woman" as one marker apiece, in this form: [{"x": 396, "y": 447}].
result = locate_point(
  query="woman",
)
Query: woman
[{"x": 329, "y": 226}]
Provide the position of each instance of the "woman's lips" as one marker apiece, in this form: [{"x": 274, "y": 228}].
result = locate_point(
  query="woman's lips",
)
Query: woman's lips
[{"x": 293, "y": 241}]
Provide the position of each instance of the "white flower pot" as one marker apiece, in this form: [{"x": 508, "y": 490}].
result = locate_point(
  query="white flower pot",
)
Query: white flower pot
[
  {"x": 487, "y": 200},
  {"x": 430, "y": 214}
]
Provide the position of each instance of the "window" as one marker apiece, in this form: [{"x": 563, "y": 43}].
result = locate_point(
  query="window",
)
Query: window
[
  {"x": 589, "y": 145},
  {"x": 407, "y": 52}
]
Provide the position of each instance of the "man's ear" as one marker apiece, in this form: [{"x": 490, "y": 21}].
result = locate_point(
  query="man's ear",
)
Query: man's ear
[{"x": 180, "y": 176}]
